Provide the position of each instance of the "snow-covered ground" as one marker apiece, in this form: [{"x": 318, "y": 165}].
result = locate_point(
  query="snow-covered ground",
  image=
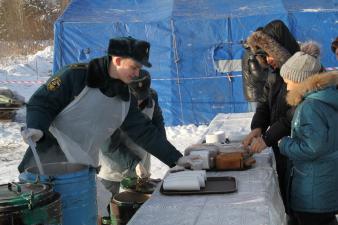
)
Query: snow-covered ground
[{"x": 24, "y": 75}]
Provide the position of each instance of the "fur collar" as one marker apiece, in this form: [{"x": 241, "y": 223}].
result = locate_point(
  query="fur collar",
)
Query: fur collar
[
  {"x": 260, "y": 40},
  {"x": 97, "y": 72},
  {"x": 314, "y": 83},
  {"x": 98, "y": 77}
]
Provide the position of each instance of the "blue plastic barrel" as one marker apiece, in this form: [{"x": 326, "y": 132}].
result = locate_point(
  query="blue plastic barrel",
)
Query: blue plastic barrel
[{"x": 76, "y": 184}]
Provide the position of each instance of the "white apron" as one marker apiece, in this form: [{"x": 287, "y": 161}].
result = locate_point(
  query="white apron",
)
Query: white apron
[
  {"x": 111, "y": 169},
  {"x": 86, "y": 123}
]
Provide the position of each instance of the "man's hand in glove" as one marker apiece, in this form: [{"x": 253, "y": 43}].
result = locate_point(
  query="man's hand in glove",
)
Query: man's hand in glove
[
  {"x": 194, "y": 162},
  {"x": 141, "y": 172},
  {"x": 30, "y": 133}
]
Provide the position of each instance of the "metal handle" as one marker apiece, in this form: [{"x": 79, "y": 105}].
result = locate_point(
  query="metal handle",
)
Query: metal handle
[{"x": 17, "y": 186}]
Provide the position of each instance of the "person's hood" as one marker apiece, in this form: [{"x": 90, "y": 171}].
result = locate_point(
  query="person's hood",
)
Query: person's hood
[
  {"x": 274, "y": 39},
  {"x": 313, "y": 87},
  {"x": 260, "y": 41},
  {"x": 277, "y": 30}
]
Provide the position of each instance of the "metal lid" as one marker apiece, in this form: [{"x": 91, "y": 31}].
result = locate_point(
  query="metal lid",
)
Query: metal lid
[{"x": 15, "y": 196}]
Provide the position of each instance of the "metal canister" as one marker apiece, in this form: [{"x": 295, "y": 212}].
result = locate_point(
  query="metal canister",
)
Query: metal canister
[
  {"x": 29, "y": 204},
  {"x": 124, "y": 205},
  {"x": 76, "y": 184}
]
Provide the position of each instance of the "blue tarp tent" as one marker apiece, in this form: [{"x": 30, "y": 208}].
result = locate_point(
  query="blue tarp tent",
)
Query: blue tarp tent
[{"x": 195, "y": 44}]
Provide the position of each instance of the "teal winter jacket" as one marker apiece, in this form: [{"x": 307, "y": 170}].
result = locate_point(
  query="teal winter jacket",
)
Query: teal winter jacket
[{"x": 313, "y": 145}]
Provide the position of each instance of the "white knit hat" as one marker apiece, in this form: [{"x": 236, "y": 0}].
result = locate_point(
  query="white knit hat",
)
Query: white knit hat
[{"x": 302, "y": 64}]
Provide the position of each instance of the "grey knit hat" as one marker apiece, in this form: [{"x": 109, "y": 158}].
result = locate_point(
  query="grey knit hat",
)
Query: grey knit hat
[{"x": 302, "y": 64}]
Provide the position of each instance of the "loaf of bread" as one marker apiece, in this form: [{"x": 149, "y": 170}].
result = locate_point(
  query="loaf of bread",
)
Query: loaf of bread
[{"x": 229, "y": 161}]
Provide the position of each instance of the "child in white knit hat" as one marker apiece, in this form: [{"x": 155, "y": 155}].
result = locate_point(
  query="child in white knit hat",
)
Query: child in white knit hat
[{"x": 313, "y": 146}]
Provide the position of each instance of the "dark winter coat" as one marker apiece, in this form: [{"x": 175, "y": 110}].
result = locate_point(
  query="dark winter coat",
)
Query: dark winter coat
[
  {"x": 157, "y": 120},
  {"x": 273, "y": 114},
  {"x": 253, "y": 76},
  {"x": 313, "y": 145},
  {"x": 51, "y": 98}
]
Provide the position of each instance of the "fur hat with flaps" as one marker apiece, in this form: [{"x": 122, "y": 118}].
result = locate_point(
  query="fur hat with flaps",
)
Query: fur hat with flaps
[
  {"x": 302, "y": 64},
  {"x": 130, "y": 47},
  {"x": 275, "y": 40}
]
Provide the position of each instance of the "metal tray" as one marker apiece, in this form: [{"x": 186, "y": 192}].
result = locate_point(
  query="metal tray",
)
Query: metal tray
[{"x": 213, "y": 185}]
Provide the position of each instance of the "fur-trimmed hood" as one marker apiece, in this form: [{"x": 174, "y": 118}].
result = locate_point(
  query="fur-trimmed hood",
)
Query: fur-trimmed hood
[
  {"x": 314, "y": 83},
  {"x": 276, "y": 40},
  {"x": 261, "y": 41}
]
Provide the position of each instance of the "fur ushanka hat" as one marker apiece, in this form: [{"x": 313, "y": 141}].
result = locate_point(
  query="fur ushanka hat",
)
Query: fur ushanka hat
[{"x": 130, "y": 47}]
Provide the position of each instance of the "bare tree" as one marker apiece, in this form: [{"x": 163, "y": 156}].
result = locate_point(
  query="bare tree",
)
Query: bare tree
[{"x": 25, "y": 24}]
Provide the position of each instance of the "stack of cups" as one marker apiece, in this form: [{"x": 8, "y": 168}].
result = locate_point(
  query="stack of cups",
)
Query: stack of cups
[{"x": 216, "y": 137}]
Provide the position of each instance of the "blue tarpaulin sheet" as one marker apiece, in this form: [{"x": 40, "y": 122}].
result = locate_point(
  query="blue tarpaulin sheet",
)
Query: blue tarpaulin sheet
[{"x": 195, "y": 44}]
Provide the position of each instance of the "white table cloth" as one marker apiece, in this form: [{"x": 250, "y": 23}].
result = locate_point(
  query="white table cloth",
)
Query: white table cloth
[{"x": 257, "y": 201}]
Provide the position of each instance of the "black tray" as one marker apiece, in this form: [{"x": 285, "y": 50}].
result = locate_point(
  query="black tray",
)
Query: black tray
[{"x": 213, "y": 185}]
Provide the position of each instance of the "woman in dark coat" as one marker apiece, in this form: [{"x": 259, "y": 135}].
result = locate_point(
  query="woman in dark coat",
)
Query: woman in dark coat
[{"x": 273, "y": 116}]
